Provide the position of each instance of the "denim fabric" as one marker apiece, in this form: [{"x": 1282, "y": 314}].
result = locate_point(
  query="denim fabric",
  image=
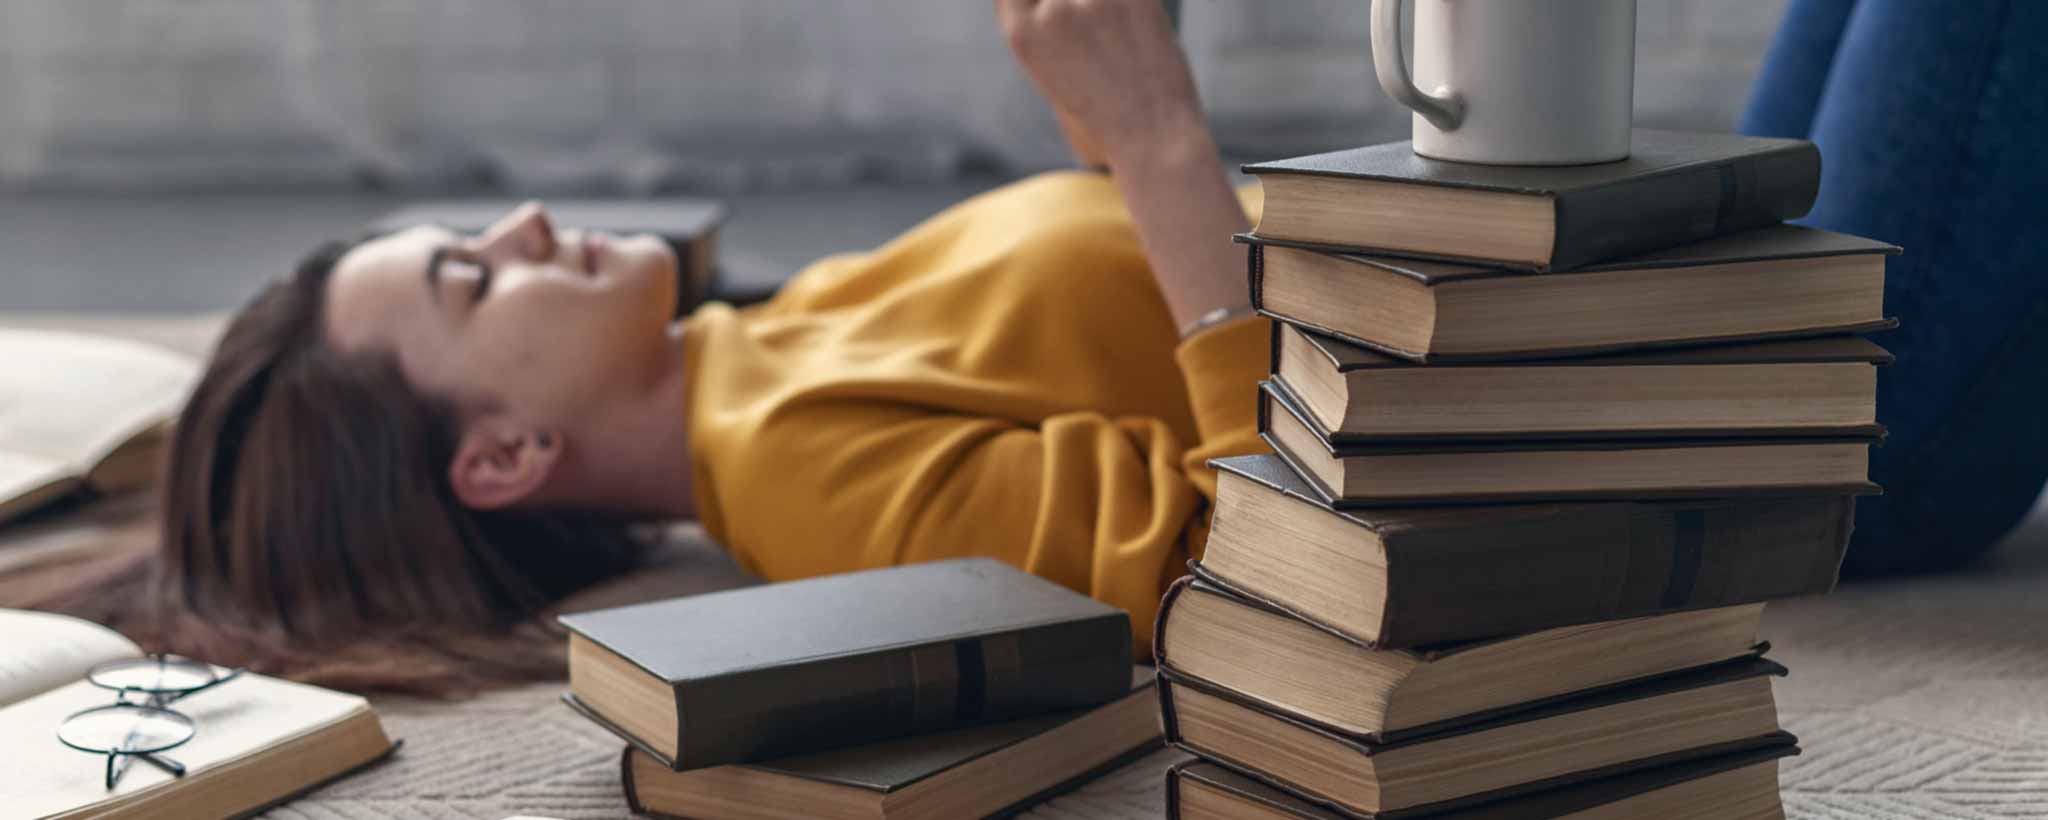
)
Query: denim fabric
[{"x": 1930, "y": 116}]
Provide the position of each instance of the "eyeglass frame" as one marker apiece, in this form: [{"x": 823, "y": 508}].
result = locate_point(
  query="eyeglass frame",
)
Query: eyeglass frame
[{"x": 155, "y": 700}]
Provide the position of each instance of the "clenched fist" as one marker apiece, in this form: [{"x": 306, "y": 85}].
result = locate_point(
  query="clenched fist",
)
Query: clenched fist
[{"x": 1112, "y": 70}]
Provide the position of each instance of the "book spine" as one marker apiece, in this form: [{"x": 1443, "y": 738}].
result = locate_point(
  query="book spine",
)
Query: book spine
[
  {"x": 1173, "y": 778},
  {"x": 626, "y": 778},
  {"x": 1628, "y": 561},
  {"x": 1664, "y": 210},
  {"x": 848, "y": 700},
  {"x": 1166, "y": 607}
]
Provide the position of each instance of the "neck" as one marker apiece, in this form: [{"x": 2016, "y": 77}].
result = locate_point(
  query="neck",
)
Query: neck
[{"x": 635, "y": 458}]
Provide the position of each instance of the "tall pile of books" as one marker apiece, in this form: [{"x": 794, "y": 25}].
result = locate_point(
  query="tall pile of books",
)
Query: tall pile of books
[{"x": 1545, "y": 441}]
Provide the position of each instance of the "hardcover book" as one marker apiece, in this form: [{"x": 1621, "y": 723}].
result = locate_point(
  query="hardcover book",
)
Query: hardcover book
[
  {"x": 1700, "y": 714},
  {"x": 1290, "y": 666},
  {"x": 1407, "y": 577},
  {"x": 995, "y": 770},
  {"x": 1737, "y": 785},
  {"x": 1423, "y": 472},
  {"x": 1780, "y": 281},
  {"x": 783, "y": 669},
  {"x": 82, "y": 413},
  {"x": 1806, "y": 387},
  {"x": 1674, "y": 188}
]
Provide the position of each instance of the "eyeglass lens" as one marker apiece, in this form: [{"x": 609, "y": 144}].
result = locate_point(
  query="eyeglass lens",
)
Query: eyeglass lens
[
  {"x": 154, "y": 675},
  {"x": 126, "y": 729}
]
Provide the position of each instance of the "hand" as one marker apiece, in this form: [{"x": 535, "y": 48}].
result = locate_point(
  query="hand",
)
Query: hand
[{"x": 1112, "y": 70}]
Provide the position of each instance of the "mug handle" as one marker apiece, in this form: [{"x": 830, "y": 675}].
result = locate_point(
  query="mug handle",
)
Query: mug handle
[{"x": 1443, "y": 109}]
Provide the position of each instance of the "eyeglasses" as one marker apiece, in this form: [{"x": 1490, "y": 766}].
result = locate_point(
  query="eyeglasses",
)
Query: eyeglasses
[{"x": 140, "y": 723}]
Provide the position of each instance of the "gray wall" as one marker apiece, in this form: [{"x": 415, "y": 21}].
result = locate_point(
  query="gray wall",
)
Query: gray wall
[{"x": 658, "y": 95}]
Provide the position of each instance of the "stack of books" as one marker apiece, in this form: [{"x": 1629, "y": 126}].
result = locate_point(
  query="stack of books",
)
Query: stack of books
[
  {"x": 934, "y": 691},
  {"x": 1545, "y": 441}
]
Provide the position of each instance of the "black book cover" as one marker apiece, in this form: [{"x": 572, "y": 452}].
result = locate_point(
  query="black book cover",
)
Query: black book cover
[
  {"x": 1345, "y": 357},
  {"x": 783, "y": 669},
  {"x": 1775, "y": 242},
  {"x": 1473, "y": 572},
  {"x": 1538, "y": 805},
  {"x": 1675, "y": 187},
  {"x": 1203, "y": 581},
  {"x": 1363, "y": 748},
  {"x": 895, "y": 765},
  {"x": 1278, "y": 395}
]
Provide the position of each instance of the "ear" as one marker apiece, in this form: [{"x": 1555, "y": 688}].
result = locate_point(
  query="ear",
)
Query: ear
[{"x": 498, "y": 465}]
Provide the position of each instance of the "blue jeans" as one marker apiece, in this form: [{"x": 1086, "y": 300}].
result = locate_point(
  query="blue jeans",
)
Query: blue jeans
[{"x": 1932, "y": 120}]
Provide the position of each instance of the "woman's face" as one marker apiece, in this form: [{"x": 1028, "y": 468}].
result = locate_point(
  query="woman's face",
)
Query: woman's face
[{"x": 522, "y": 319}]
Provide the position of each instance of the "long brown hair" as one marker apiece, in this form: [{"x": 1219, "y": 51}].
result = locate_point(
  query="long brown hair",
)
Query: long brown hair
[{"x": 308, "y": 527}]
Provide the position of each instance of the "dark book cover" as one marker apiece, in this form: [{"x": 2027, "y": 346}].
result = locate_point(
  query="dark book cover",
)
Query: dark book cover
[
  {"x": 1464, "y": 573},
  {"x": 1775, "y": 242},
  {"x": 1563, "y": 801},
  {"x": 1202, "y": 581},
  {"x": 783, "y": 669},
  {"x": 895, "y": 765},
  {"x": 1347, "y": 357},
  {"x": 1278, "y": 395},
  {"x": 1675, "y": 187},
  {"x": 1363, "y": 748},
  {"x": 1344, "y": 357}
]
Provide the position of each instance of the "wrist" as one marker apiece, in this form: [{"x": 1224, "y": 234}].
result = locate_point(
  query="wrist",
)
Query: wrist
[{"x": 1170, "y": 150}]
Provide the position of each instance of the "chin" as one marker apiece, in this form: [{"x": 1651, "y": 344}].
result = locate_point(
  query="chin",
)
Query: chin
[{"x": 654, "y": 264}]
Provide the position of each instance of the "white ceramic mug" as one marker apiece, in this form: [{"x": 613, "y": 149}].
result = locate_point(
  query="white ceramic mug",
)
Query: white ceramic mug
[{"x": 1513, "y": 82}]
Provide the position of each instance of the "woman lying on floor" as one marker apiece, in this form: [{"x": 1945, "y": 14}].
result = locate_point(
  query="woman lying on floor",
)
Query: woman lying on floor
[{"x": 429, "y": 428}]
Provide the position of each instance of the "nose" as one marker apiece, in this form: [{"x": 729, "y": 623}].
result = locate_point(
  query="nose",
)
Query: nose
[{"x": 525, "y": 233}]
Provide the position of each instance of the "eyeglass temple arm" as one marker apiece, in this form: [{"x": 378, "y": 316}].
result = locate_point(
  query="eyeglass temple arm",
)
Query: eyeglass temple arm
[
  {"x": 230, "y": 675},
  {"x": 117, "y": 765}
]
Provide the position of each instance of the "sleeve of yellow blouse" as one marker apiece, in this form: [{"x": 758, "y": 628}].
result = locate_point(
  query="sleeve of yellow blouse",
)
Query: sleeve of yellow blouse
[
  {"x": 1119, "y": 503},
  {"x": 1095, "y": 503},
  {"x": 1222, "y": 366}
]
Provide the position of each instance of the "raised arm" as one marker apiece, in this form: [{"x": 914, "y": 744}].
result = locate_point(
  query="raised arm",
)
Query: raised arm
[{"x": 1116, "y": 73}]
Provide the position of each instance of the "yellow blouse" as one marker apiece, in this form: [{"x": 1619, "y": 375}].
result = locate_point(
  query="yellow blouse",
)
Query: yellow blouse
[{"x": 1004, "y": 380}]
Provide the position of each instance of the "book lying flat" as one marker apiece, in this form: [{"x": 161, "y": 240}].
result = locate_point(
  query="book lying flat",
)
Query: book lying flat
[
  {"x": 1433, "y": 472},
  {"x": 1737, "y": 786},
  {"x": 1775, "y": 282},
  {"x": 1806, "y": 387},
  {"x": 1406, "y": 577},
  {"x": 1674, "y": 188},
  {"x": 782, "y": 669},
  {"x": 80, "y": 412},
  {"x": 1708, "y": 712},
  {"x": 987, "y": 771},
  {"x": 1290, "y": 666},
  {"x": 259, "y": 742}
]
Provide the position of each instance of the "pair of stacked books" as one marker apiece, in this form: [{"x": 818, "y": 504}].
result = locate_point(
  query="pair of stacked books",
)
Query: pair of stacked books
[
  {"x": 943, "y": 690},
  {"x": 1546, "y": 439}
]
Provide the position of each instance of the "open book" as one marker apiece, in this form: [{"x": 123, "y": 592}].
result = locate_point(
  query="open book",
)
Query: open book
[
  {"x": 82, "y": 411},
  {"x": 259, "y": 742}
]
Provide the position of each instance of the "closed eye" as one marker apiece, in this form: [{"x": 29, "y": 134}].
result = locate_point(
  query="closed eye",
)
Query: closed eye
[
  {"x": 483, "y": 282},
  {"x": 447, "y": 255}
]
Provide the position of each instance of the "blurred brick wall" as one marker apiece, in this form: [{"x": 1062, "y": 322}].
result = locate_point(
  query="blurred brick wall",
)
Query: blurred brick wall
[{"x": 644, "y": 95}]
